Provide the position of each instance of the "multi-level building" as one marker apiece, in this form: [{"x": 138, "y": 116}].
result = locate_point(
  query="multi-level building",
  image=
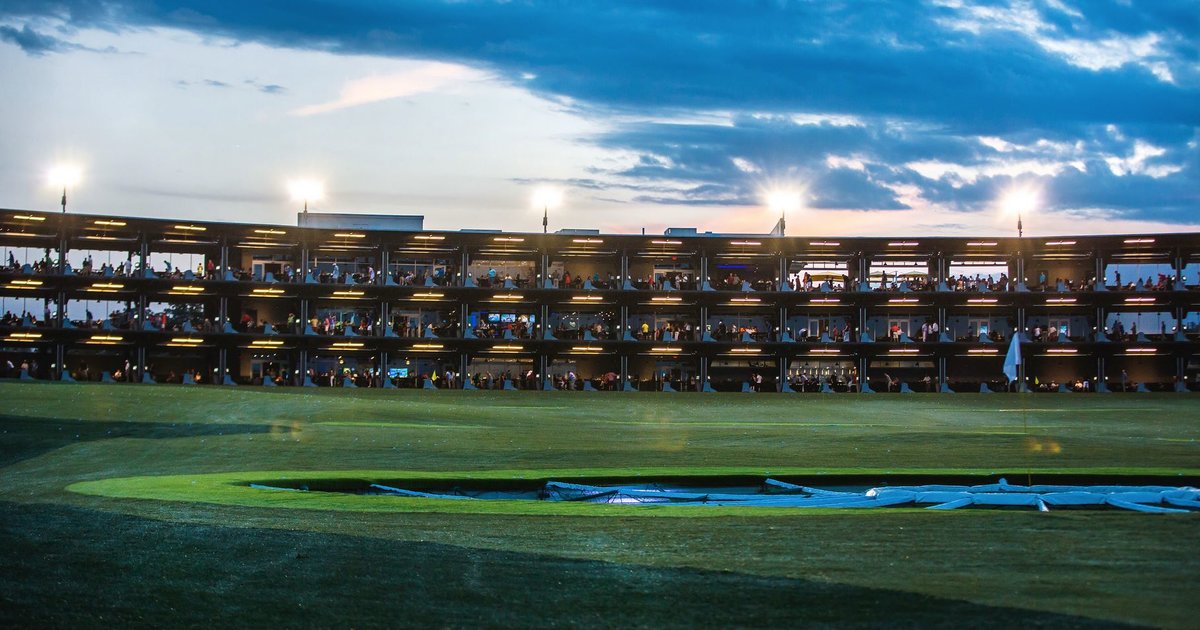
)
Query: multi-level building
[{"x": 99, "y": 297}]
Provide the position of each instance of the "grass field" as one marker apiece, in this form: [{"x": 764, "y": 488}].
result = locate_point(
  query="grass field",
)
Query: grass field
[{"x": 116, "y": 509}]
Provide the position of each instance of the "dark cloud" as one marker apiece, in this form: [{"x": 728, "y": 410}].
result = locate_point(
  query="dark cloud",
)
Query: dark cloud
[
  {"x": 31, "y": 41},
  {"x": 215, "y": 83},
  {"x": 869, "y": 58},
  {"x": 272, "y": 88},
  {"x": 918, "y": 88},
  {"x": 37, "y": 44}
]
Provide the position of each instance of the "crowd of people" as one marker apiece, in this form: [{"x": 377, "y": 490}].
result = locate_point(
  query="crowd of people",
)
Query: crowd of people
[{"x": 418, "y": 275}]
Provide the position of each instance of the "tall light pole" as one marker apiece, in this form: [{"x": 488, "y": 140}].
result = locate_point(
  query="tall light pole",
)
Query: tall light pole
[
  {"x": 1018, "y": 201},
  {"x": 64, "y": 176},
  {"x": 306, "y": 190},
  {"x": 781, "y": 200},
  {"x": 544, "y": 198}
]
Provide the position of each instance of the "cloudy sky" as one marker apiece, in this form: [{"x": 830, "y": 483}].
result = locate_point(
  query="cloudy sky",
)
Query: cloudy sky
[{"x": 880, "y": 117}]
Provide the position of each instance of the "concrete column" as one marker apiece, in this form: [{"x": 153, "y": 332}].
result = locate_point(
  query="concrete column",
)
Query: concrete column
[
  {"x": 144, "y": 253},
  {"x": 60, "y": 356},
  {"x": 381, "y": 368}
]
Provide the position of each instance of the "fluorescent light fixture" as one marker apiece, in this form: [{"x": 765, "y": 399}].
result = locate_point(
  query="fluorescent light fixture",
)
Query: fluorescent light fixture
[
  {"x": 26, "y": 283},
  {"x": 271, "y": 232},
  {"x": 1138, "y": 241},
  {"x": 824, "y": 243},
  {"x": 28, "y": 217},
  {"x": 662, "y": 242},
  {"x": 1059, "y": 243},
  {"x": 981, "y": 244},
  {"x": 903, "y": 244},
  {"x": 587, "y": 241},
  {"x": 509, "y": 239},
  {"x": 109, "y": 223},
  {"x": 191, "y": 228},
  {"x": 105, "y": 287}
]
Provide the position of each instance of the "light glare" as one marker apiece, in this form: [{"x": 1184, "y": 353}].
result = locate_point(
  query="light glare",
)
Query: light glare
[
  {"x": 64, "y": 175},
  {"x": 547, "y": 197},
  {"x": 1020, "y": 200},
  {"x": 783, "y": 200},
  {"x": 306, "y": 190}
]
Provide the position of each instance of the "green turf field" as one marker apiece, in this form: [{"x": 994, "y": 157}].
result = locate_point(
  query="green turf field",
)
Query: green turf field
[{"x": 116, "y": 508}]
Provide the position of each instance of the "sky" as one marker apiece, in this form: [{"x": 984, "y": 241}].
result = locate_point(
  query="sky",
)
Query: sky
[{"x": 863, "y": 117}]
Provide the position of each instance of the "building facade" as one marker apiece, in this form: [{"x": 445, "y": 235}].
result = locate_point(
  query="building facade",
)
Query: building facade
[{"x": 158, "y": 300}]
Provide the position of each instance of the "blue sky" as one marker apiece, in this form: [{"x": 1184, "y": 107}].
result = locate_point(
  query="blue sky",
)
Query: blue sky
[{"x": 882, "y": 117}]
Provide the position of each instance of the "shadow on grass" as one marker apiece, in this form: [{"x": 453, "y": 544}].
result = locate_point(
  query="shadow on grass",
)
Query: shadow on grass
[
  {"x": 74, "y": 567},
  {"x": 23, "y": 438}
]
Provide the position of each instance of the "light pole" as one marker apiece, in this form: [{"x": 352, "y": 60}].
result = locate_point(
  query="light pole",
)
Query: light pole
[
  {"x": 64, "y": 176},
  {"x": 782, "y": 200},
  {"x": 544, "y": 198},
  {"x": 306, "y": 190}
]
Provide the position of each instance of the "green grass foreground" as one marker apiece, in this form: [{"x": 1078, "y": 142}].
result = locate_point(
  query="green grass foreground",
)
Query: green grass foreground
[{"x": 123, "y": 505}]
